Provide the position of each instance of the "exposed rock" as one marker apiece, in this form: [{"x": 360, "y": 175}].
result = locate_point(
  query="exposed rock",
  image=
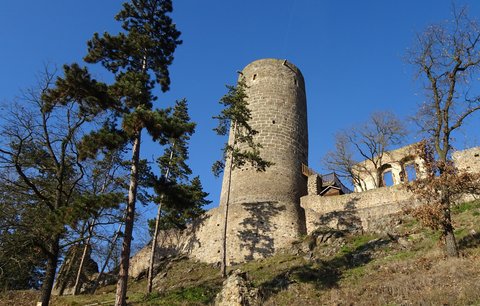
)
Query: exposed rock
[
  {"x": 237, "y": 291},
  {"x": 403, "y": 242}
]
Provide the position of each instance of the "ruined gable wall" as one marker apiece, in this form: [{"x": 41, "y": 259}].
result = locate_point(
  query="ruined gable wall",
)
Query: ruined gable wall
[{"x": 396, "y": 159}]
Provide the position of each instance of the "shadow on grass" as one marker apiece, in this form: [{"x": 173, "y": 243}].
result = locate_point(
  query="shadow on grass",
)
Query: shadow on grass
[
  {"x": 193, "y": 295},
  {"x": 470, "y": 241},
  {"x": 324, "y": 274}
]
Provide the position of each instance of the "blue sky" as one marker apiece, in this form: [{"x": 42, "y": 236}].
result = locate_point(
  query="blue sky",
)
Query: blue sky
[{"x": 350, "y": 53}]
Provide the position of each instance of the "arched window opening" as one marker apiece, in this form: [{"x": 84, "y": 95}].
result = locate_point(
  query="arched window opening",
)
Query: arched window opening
[{"x": 387, "y": 178}]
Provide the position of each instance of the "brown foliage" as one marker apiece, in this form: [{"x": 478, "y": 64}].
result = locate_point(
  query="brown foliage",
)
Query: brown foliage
[{"x": 442, "y": 186}]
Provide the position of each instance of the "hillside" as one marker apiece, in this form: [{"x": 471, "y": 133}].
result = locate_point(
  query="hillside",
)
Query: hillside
[{"x": 405, "y": 266}]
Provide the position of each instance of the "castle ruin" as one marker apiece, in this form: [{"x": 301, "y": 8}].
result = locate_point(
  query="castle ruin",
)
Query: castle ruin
[{"x": 269, "y": 210}]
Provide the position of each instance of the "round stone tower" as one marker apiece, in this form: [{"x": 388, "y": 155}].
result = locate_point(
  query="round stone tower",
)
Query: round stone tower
[{"x": 264, "y": 207}]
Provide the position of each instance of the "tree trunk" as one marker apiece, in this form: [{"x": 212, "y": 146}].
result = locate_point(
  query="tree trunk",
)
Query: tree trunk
[
  {"x": 154, "y": 248},
  {"x": 448, "y": 234},
  {"x": 109, "y": 254},
  {"x": 76, "y": 287},
  {"x": 451, "y": 248},
  {"x": 223, "y": 265},
  {"x": 121, "y": 294},
  {"x": 451, "y": 244},
  {"x": 155, "y": 233},
  {"x": 50, "y": 271}
]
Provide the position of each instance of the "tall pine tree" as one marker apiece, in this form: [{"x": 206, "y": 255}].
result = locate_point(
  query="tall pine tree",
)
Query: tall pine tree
[
  {"x": 172, "y": 164},
  {"x": 179, "y": 201},
  {"x": 144, "y": 49}
]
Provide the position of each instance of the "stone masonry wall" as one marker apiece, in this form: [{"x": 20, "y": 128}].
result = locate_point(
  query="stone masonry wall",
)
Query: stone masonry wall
[
  {"x": 360, "y": 210},
  {"x": 364, "y": 211},
  {"x": 264, "y": 210},
  {"x": 264, "y": 207},
  {"x": 393, "y": 161},
  {"x": 468, "y": 159}
]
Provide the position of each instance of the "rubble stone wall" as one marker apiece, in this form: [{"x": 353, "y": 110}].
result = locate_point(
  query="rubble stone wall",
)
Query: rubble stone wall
[
  {"x": 468, "y": 159},
  {"x": 361, "y": 209}
]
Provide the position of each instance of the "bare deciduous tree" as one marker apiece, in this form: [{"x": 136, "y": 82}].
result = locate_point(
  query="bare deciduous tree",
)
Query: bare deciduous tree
[
  {"x": 447, "y": 57},
  {"x": 40, "y": 159},
  {"x": 369, "y": 142},
  {"x": 434, "y": 190}
]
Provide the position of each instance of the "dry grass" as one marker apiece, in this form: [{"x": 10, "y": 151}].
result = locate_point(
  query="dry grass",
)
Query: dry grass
[{"x": 365, "y": 270}]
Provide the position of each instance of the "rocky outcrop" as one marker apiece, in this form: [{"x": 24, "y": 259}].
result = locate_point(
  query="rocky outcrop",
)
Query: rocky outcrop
[{"x": 237, "y": 291}]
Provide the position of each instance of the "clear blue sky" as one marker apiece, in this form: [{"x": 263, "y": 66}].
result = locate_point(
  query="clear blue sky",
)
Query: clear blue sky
[{"x": 350, "y": 53}]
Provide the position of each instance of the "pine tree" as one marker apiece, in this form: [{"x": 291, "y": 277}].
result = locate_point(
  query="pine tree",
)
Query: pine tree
[
  {"x": 143, "y": 49},
  {"x": 240, "y": 149},
  {"x": 174, "y": 171}
]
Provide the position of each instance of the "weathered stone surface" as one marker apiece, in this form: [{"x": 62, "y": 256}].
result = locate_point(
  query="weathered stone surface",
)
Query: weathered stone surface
[
  {"x": 237, "y": 291},
  {"x": 265, "y": 214},
  {"x": 169, "y": 243},
  {"x": 314, "y": 184},
  {"x": 362, "y": 211},
  {"x": 468, "y": 160},
  {"x": 394, "y": 161}
]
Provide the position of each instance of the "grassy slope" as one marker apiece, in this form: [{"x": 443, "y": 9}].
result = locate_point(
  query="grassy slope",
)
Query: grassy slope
[{"x": 359, "y": 270}]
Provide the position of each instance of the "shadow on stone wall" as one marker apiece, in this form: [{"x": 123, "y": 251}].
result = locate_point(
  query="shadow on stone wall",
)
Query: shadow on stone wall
[
  {"x": 345, "y": 218},
  {"x": 257, "y": 227},
  {"x": 192, "y": 241}
]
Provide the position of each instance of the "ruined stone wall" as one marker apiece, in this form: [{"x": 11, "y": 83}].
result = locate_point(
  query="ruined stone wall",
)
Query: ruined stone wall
[
  {"x": 468, "y": 159},
  {"x": 201, "y": 241},
  {"x": 394, "y": 161},
  {"x": 361, "y": 210},
  {"x": 253, "y": 228}
]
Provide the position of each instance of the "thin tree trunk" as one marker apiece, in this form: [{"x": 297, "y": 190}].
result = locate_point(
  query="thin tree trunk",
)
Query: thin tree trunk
[
  {"x": 155, "y": 233},
  {"x": 76, "y": 287},
  {"x": 121, "y": 294},
  {"x": 109, "y": 254},
  {"x": 50, "y": 271},
  {"x": 223, "y": 267},
  {"x": 154, "y": 248}
]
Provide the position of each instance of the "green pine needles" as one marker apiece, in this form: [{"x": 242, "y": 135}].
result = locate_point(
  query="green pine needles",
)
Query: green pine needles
[{"x": 241, "y": 148}]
